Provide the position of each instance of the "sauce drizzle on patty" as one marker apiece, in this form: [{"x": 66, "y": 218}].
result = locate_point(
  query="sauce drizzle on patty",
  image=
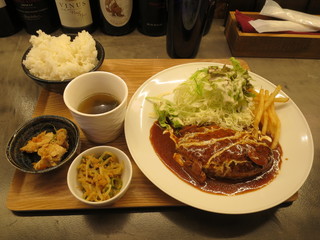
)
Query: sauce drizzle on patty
[{"x": 265, "y": 161}]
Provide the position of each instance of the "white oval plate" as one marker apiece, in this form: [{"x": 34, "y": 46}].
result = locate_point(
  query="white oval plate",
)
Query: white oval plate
[{"x": 296, "y": 141}]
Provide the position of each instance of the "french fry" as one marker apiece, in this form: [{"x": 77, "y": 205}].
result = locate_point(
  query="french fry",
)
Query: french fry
[
  {"x": 265, "y": 124},
  {"x": 272, "y": 96},
  {"x": 266, "y": 116},
  {"x": 271, "y": 125},
  {"x": 276, "y": 137},
  {"x": 259, "y": 112},
  {"x": 276, "y": 124},
  {"x": 281, "y": 99},
  {"x": 274, "y": 99}
]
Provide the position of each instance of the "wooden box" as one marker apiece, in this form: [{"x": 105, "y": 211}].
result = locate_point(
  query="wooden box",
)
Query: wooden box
[{"x": 269, "y": 44}]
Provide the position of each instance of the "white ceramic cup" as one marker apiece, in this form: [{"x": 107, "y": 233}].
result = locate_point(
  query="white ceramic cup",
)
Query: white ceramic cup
[{"x": 103, "y": 127}]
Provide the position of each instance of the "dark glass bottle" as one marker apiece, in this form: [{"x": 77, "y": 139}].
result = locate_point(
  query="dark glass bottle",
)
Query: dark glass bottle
[
  {"x": 210, "y": 16},
  {"x": 152, "y": 17},
  {"x": 38, "y": 14},
  {"x": 77, "y": 15},
  {"x": 186, "y": 21},
  {"x": 118, "y": 17},
  {"x": 10, "y": 22}
]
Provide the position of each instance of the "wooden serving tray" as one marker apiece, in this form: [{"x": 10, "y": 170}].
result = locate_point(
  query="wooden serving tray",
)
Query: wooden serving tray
[{"x": 35, "y": 192}]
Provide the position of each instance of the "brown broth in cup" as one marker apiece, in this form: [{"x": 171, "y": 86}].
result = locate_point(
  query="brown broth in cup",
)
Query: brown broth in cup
[{"x": 98, "y": 103}]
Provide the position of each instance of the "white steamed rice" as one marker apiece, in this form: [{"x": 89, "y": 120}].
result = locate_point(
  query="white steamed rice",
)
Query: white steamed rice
[{"x": 59, "y": 58}]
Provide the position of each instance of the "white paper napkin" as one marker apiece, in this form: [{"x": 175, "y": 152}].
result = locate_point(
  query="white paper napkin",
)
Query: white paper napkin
[{"x": 294, "y": 21}]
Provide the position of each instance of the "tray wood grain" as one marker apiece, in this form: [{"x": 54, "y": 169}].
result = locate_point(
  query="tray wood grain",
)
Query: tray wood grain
[{"x": 30, "y": 192}]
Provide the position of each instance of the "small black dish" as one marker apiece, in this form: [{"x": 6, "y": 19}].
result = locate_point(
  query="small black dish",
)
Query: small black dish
[
  {"x": 57, "y": 85},
  {"x": 23, "y": 161}
]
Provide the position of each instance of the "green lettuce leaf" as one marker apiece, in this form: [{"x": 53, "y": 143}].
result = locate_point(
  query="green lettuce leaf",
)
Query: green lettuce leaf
[{"x": 213, "y": 95}]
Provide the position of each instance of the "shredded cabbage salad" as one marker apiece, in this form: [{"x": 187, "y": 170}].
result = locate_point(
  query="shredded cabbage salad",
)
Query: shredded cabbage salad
[{"x": 213, "y": 95}]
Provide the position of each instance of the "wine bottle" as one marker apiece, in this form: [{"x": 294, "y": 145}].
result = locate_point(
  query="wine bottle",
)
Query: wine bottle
[
  {"x": 38, "y": 14},
  {"x": 10, "y": 23},
  {"x": 186, "y": 20},
  {"x": 77, "y": 15},
  {"x": 210, "y": 16},
  {"x": 152, "y": 17},
  {"x": 118, "y": 17}
]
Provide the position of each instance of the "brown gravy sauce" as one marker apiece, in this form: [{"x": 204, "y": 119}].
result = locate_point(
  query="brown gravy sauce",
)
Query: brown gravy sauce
[{"x": 165, "y": 148}]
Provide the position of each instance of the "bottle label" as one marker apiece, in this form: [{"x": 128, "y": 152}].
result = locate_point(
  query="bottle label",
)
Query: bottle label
[
  {"x": 32, "y": 10},
  {"x": 2, "y": 3},
  {"x": 116, "y": 12},
  {"x": 74, "y": 13}
]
